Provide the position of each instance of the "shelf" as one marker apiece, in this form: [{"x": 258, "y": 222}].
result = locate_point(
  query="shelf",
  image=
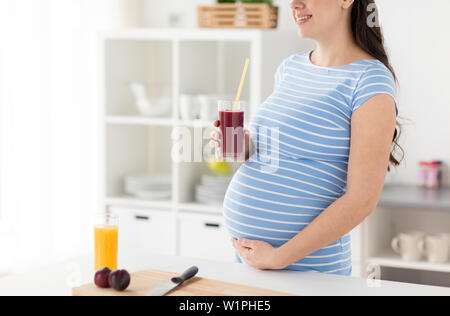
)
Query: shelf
[
  {"x": 201, "y": 208},
  {"x": 187, "y": 34},
  {"x": 139, "y": 120},
  {"x": 134, "y": 202},
  {"x": 392, "y": 260},
  {"x": 404, "y": 196},
  {"x": 194, "y": 124},
  {"x": 153, "y": 121}
]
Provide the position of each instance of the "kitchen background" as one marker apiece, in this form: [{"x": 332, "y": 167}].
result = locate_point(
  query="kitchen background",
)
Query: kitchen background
[{"x": 66, "y": 120}]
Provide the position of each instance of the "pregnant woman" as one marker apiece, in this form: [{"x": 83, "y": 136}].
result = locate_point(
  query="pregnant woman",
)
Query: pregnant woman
[{"x": 335, "y": 112}]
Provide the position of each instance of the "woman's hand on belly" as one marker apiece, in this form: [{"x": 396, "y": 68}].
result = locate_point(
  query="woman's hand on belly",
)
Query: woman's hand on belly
[{"x": 258, "y": 254}]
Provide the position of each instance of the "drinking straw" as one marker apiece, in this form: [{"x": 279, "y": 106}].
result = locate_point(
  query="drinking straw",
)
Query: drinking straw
[{"x": 244, "y": 73}]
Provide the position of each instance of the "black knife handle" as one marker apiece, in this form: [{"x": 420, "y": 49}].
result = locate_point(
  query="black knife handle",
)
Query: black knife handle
[{"x": 189, "y": 273}]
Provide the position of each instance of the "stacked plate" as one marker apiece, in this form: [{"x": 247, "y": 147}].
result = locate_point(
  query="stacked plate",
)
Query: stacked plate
[
  {"x": 212, "y": 190},
  {"x": 154, "y": 187}
]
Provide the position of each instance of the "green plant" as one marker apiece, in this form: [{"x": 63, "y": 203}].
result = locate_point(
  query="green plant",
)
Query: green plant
[{"x": 226, "y": 1}]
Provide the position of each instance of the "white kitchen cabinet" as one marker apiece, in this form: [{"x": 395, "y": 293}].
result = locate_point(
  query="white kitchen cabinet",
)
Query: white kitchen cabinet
[
  {"x": 204, "y": 237},
  {"x": 145, "y": 231},
  {"x": 403, "y": 209}
]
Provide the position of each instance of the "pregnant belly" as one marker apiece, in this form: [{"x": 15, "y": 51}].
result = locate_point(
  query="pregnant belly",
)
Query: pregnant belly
[{"x": 275, "y": 206}]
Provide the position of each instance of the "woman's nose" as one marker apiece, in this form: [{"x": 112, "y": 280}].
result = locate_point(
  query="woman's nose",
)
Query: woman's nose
[{"x": 297, "y": 4}]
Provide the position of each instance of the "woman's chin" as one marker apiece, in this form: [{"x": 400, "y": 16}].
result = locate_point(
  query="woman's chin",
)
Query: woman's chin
[{"x": 303, "y": 34}]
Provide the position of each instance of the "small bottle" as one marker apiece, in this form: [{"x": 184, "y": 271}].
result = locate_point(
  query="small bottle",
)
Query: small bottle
[
  {"x": 433, "y": 175},
  {"x": 440, "y": 177},
  {"x": 423, "y": 173}
]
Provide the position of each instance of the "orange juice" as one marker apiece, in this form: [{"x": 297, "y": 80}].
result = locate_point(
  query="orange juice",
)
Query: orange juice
[{"x": 106, "y": 244}]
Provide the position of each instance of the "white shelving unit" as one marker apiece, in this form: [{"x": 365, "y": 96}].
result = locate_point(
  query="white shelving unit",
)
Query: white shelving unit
[
  {"x": 404, "y": 208},
  {"x": 175, "y": 62},
  {"x": 171, "y": 63},
  {"x": 392, "y": 260}
]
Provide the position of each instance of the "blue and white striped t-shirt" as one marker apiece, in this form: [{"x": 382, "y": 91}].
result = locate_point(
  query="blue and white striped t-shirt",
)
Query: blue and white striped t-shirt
[{"x": 302, "y": 139}]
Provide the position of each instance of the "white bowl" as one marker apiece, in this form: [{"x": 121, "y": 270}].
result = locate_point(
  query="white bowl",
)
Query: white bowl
[
  {"x": 154, "y": 107},
  {"x": 208, "y": 180},
  {"x": 212, "y": 193},
  {"x": 153, "y": 195},
  {"x": 205, "y": 199}
]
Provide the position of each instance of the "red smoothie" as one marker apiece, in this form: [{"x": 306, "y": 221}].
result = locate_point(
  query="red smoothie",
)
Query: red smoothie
[{"x": 232, "y": 128}]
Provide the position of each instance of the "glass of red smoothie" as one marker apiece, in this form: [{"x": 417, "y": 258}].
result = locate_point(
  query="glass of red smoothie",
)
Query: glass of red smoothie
[{"x": 231, "y": 117}]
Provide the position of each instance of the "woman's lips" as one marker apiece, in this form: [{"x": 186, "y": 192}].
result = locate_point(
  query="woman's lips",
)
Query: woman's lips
[{"x": 302, "y": 19}]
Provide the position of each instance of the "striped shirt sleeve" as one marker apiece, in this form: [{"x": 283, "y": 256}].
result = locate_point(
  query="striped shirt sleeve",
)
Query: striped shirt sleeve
[{"x": 375, "y": 80}]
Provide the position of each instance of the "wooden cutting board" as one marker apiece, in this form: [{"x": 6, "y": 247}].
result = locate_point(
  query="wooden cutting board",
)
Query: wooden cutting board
[{"x": 142, "y": 282}]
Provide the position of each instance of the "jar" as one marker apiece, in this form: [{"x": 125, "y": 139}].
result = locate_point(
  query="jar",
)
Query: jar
[
  {"x": 440, "y": 178},
  {"x": 423, "y": 173},
  {"x": 433, "y": 175}
]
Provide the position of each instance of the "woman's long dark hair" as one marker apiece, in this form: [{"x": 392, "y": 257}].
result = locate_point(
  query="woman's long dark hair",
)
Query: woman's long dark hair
[{"x": 370, "y": 38}]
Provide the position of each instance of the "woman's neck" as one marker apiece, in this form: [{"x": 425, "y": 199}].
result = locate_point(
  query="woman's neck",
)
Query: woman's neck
[{"x": 337, "y": 49}]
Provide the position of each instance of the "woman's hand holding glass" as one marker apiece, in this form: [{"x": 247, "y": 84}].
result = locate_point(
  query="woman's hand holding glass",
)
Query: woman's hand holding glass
[{"x": 216, "y": 142}]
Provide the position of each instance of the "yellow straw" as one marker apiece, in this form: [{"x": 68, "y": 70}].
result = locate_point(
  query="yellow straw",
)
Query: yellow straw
[{"x": 244, "y": 73}]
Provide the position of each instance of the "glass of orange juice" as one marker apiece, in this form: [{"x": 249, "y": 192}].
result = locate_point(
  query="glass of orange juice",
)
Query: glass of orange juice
[{"x": 106, "y": 232}]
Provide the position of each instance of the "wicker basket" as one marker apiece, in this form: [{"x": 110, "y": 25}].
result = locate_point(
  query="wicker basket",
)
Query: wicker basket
[{"x": 242, "y": 16}]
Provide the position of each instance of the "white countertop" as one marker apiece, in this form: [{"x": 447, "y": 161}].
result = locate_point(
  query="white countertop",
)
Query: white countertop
[{"x": 59, "y": 279}]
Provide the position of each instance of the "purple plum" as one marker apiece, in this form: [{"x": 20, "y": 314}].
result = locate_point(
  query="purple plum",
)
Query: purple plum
[
  {"x": 101, "y": 278},
  {"x": 119, "y": 280}
]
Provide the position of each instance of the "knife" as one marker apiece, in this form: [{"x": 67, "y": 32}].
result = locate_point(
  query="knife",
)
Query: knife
[{"x": 166, "y": 286}]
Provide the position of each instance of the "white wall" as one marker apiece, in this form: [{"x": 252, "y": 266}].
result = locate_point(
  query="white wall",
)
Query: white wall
[
  {"x": 417, "y": 38},
  {"x": 156, "y": 12},
  {"x": 49, "y": 124}
]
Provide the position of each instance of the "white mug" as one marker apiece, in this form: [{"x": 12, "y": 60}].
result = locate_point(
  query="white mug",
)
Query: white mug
[
  {"x": 408, "y": 245},
  {"x": 207, "y": 107},
  {"x": 436, "y": 248},
  {"x": 188, "y": 107}
]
